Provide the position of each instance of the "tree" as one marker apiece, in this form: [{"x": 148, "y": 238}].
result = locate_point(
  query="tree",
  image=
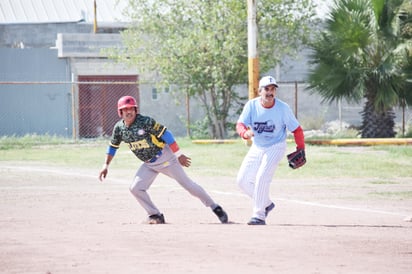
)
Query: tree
[
  {"x": 404, "y": 30},
  {"x": 359, "y": 55},
  {"x": 201, "y": 46}
]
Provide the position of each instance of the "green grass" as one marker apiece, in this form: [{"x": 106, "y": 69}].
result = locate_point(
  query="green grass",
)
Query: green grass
[
  {"x": 383, "y": 182},
  {"x": 380, "y": 163},
  {"x": 29, "y": 141},
  {"x": 397, "y": 195}
]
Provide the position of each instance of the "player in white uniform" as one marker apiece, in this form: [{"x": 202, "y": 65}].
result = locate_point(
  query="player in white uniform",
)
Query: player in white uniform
[{"x": 264, "y": 119}]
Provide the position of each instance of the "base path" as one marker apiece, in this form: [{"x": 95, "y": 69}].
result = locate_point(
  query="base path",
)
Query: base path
[{"x": 59, "y": 220}]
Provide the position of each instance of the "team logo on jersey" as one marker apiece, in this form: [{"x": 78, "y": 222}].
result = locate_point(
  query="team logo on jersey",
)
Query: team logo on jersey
[
  {"x": 138, "y": 145},
  {"x": 141, "y": 132},
  {"x": 267, "y": 126}
]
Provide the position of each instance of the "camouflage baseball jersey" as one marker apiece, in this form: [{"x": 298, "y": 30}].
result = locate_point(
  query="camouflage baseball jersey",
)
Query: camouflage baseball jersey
[{"x": 143, "y": 137}]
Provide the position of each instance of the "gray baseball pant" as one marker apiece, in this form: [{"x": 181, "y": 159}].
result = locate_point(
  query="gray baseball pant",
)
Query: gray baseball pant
[{"x": 167, "y": 164}]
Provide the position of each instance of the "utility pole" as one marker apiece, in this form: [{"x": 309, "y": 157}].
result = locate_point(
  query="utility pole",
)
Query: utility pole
[
  {"x": 253, "y": 60},
  {"x": 95, "y": 17}
]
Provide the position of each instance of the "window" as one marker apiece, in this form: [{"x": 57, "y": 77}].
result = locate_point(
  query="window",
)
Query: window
[{"x": 154, "y": 94}]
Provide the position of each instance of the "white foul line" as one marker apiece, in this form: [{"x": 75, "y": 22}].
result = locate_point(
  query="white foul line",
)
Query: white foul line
[
  {"x": 323, "y": 205},
  {"x": 222, "y": 192}
]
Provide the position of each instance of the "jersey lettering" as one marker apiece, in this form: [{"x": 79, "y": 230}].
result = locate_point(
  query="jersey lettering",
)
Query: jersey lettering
[
  {"x": 267, "y": 126},
  {"x": 138, "y": 145},
  {"x": 143, "y": 137}
]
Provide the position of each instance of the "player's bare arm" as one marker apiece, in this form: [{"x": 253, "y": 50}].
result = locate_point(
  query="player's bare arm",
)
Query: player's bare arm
[{"x": 105, "y": 168}]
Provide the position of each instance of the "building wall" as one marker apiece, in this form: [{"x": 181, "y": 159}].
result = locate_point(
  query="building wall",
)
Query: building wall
[
  {"x": 169, "y": 107},
  {"x": 38, "y": 35},
  {"x": 37, "y": 95},
  {"x": 34, "y": 108},
  {"x": 49, "y": 108}
]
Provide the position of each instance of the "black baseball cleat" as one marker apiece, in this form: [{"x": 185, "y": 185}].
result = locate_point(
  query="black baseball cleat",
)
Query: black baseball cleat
[
  {"x": 269, "y": 209},
  {"x": 156, "y": 219},
  {"x": 221, "y": 214},
  {"x": 256, "y": 221}
]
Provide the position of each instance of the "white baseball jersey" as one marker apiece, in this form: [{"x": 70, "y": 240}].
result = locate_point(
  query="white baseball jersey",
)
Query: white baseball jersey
[{"x": 269, "y": 125}]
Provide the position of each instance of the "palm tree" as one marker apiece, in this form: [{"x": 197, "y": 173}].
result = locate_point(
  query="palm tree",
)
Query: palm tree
[
  {"x": 357, "y": 56},
  {"x": 405, "y": 31}
]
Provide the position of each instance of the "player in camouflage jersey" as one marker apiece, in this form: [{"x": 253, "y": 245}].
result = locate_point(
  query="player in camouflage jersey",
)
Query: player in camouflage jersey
[{"x": 155, "y": 145}]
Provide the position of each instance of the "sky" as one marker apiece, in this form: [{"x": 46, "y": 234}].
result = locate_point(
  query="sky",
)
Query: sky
[{"x": 323, "y": 7}]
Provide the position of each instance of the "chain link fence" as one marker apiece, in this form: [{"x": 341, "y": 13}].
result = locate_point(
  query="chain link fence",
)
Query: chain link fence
[
  {"x": 312, "y": 113},
  {"x": 83, "y": 109},
  {"x": 87, "y": 108}
]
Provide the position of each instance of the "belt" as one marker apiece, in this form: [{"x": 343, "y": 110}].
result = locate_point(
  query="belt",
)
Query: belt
[{"x": 154, "y": 158}]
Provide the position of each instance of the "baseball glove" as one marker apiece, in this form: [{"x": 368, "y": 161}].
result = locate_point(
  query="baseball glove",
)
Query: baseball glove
[{"x": 296, "y": 159}]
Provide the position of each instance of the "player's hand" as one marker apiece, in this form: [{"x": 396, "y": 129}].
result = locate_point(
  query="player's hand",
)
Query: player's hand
[
  {"x": 184, "y": 160},
  {"x": 103, "y": 174},
  {"x": 248, "y": 134}
]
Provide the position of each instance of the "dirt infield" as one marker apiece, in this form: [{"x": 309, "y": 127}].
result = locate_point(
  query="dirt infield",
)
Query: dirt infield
[{"x": 60, "y": 220}]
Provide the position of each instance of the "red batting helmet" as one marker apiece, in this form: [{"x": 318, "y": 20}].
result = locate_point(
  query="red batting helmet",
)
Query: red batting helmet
[{"x": 125, "y": 102}]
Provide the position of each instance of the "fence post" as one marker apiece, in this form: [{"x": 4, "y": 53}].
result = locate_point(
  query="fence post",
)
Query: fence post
[
  {"x": 74, "y": 131},
  {"x": 188, "y": 114},
  {"x": 296, "y": 99}
]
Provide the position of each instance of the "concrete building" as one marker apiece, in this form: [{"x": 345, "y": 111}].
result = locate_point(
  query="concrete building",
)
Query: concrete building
[{"x": 50, "y": 51}]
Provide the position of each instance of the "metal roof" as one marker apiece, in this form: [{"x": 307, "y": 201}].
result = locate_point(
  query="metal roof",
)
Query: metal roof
[{"x": 56, "y": 11}]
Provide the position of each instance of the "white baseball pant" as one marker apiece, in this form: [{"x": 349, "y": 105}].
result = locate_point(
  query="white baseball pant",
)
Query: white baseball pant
[{"x": 256, "y": 173}]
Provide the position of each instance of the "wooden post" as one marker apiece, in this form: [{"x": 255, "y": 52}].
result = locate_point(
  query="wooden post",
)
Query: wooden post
[
  {"x": 253, "y": 60},
  {"x": 95, "y": 17}
]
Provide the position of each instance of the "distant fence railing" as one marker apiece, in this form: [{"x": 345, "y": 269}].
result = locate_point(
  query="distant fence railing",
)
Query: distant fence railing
[
  {"x": 80, "y": 109},
  {"x": 87, "y": 108}
]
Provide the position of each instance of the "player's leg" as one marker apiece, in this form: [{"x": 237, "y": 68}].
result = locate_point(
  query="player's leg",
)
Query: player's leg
[
  {"x": 142, "y": 181},
  {"x": 270, "y": 162},
  {"x": 246, "y": 176},
  {"x": 176, "y": 171}
]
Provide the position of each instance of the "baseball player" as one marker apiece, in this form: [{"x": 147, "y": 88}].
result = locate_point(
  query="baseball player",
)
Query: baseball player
[
  {"x": 155, "y": 145},
  {"x": 265, "y": 120}
]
